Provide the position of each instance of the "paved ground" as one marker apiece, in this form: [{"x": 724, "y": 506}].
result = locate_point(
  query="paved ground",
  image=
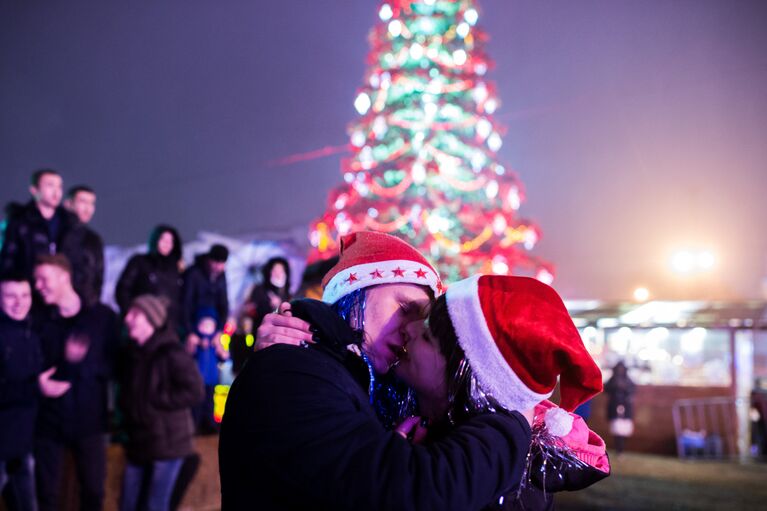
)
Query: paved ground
[
  {"x": 642, "y": 482},
  {"x": 638, "y": 482}
]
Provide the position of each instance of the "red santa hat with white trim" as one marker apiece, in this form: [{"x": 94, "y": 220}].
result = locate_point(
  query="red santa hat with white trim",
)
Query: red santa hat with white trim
[
  {"x": 518, "y": 338},
  {"x": 369, "y": 258}
]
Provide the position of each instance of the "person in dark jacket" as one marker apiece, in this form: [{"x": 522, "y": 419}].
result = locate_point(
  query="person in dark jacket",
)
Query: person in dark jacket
[
  {"x": 299, "y": 431},
  {"x": 79, "y": 342},
  {"x": 42, "y": 226},
  {"x": 157, "y": 272},
  {"x": 205, "y": 288},
  {"x": 264, "y": 298},
  {"x": 20, "y": 365},
  {"x": 160, "y": 383},
  {"x": 620, "y": 405},
  {"x": 88, "y": 257},
  {"x": 460, "y": 362},
  {"x": 273, "y": 290}
]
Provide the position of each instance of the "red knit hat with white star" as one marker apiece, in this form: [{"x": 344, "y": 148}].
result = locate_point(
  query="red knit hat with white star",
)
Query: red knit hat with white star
[
  {"x": 518, "y": 338},
  {"x": 369, "y": 258}
]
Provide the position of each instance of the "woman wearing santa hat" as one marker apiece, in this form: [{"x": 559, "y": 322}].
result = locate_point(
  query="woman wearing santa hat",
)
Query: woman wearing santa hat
[
  {"x": 300, "y": 430},
  {"x": 500, "y": 343}
]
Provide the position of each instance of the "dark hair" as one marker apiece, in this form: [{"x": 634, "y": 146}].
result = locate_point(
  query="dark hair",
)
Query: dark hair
[
  {"x": 57, "y": 260},
  {"x": 38, "y": 175},
  {"x": 266, "y": 272},
  {"x": 14, "y": 276},
  {"x": 154, "y": 238},
  {"x": 351, "y": 308},
  {"x": 441, "y": 328},
  {"x": 218, "y": 253},
  {"x": 72, "y": 192}
]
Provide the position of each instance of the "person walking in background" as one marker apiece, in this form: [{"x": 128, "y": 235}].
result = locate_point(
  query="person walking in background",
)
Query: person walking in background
[
  {"x": 160, "y": 384},
  {"x": 87, "y": 254},
  {"x": 620, "y": 408},
  {"x": 205, "y": 288},
  {"x": 80, "y": 342},
  {"x": 273, "y": 290},
  {"x": 157, "y": 272},
  {"x": 41, "y": 226}
]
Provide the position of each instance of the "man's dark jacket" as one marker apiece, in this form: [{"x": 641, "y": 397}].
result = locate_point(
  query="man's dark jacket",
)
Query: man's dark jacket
[
  {"x": 159, "y": 385},
  {"x": 82, "y": 410},
  {"x": 26, "y": 236},
  {"x": 85, "y": 250},
  {"x": 20, "y": 364},
  {"x": 299, "y": 433},
  {"x": 202, "y": 291}
]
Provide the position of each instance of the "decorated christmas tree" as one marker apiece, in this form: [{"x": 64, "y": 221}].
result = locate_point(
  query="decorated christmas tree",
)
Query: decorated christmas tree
[{"x": 423, "y": 162}]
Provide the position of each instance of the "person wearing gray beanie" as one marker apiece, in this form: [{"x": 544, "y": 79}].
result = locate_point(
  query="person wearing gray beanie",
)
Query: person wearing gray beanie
[
  {"x": 160, "y": 384},
  {"x": 154, "y": 307}
]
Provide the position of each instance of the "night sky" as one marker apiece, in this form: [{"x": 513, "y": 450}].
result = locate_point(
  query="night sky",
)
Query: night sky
[{"x": 637, "y": 127}]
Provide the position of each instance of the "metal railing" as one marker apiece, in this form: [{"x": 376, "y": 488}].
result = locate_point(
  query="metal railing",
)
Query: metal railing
[{"x": 706, "y": 427}]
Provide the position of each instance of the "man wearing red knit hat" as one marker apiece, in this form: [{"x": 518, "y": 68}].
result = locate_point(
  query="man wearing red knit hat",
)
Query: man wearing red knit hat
[{"x": 299, "y": 430}]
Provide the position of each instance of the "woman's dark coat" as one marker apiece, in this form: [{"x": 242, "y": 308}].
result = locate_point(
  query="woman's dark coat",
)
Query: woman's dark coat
[
  {"x": 620, "y": 395},
  {"x": 150, "y": 274},
  {"x": 299, "y": 433}
]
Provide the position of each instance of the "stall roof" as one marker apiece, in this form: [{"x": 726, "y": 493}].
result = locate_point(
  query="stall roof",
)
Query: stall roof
[{"x": 742, "y": 314}]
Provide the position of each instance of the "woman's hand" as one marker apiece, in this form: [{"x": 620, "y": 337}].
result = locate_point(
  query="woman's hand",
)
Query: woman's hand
[
  {"x": 282, "y": 328},
  {"x": 529, "y": 414},
  {"x": 413, "y": 429}
]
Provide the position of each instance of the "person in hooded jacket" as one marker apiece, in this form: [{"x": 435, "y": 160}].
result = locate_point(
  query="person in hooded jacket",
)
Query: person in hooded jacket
[
  {"x": 273, "y": 290},
  {"x": 157, "y": 272},
  {"x": 263, "y": 299},
  {"x": 160, "y": 384}
]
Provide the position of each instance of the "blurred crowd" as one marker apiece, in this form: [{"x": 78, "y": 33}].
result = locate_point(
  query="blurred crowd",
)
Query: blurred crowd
[{"x": 74, "y": 373}]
